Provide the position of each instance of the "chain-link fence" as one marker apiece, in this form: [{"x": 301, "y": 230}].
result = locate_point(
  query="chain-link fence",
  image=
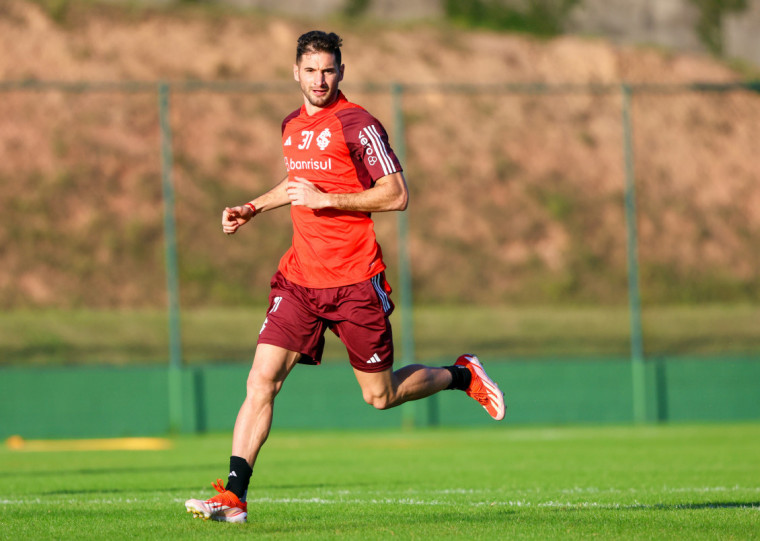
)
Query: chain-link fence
[{"x": 516, "y": 229}]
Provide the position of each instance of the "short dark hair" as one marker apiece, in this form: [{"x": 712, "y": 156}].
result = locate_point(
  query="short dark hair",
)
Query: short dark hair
[{"x": 317, "y": 41}]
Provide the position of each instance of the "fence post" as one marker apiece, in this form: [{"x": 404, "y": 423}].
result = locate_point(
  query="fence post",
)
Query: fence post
[
  {"x": 170, "y": 251},
  {"x": 638, "y": 373},
  {"x": 408, "y": 414}
]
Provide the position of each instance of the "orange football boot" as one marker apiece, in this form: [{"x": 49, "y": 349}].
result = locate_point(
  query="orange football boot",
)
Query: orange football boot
[
  {"x": 224, "y": 507},
  {"x": 482, "y": 388}
]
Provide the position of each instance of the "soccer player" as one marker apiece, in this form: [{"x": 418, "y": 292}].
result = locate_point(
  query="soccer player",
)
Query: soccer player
[{"x": 340, "y": 169}]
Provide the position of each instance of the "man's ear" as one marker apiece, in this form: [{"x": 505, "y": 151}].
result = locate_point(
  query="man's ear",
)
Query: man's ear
[
  {"x": 295, "y": 73},
  {"x": 342, "y": 71}
]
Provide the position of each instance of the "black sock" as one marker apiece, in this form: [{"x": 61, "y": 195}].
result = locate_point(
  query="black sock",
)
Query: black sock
[
  {"x": 239, "y": 477},
  {"x": 460, "y": 377}
]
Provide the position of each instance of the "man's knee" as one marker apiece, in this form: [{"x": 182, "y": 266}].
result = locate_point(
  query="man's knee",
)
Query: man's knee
[
  {"x": 378, "y": 388},
  {"x": 271, "y": 365},
  {"x": 381, "y": 401},
  {"x": 261, "y": 386}
]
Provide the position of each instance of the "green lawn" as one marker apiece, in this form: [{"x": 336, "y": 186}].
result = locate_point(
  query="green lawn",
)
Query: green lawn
[
  {"x": 650, "y": 482},
  {"x": 118, "y": 337}
]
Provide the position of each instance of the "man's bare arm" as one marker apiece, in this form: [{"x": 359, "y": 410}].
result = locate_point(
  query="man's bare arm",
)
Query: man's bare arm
[
  {"x": 389, "y": 193},
  {"x": 234, "y": 217}
]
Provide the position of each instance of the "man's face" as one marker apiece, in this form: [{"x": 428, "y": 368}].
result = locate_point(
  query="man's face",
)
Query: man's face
[{"x": 318, "y": 75}]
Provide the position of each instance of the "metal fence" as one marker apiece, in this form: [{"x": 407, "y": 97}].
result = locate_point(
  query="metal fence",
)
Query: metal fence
[
  {"x": 529, "y": 195},
  {"x": 521, "y": 194}
]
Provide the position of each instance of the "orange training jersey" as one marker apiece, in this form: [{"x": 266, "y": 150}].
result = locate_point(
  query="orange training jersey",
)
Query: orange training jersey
[{"x": 341, "y": 149}]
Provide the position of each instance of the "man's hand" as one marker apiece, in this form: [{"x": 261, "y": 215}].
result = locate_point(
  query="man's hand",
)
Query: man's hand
[
  {"x": 305, "y": 193},
  {"x": 233, "y": 218}
]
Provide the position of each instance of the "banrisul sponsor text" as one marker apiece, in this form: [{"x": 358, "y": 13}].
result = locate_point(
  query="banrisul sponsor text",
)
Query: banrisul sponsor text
[{"x": 305, "y": 165}]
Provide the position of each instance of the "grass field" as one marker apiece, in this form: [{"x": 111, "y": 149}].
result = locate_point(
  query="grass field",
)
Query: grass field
[
  {"x": 650, "y": 482},
  {"x": 119, "y": 337}
]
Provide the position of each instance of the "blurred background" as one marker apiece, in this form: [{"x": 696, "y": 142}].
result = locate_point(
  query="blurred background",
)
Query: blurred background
[{"x": 584, "y": 214}]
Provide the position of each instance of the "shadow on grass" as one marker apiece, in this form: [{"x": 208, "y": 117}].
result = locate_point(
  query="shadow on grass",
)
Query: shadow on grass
[
  {"x": 674, "y": 506},
  {"x": 706, "y": 505}
]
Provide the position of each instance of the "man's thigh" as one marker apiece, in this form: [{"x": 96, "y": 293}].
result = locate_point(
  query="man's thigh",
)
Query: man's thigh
[
  {"x": 369, "y": 343},
  {"x": 291, "y": 324},
  {"x": 364, "y": 327}
]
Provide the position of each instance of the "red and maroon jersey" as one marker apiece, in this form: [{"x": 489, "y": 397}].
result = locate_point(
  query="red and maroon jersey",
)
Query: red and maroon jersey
[{"x": 341, "y": 149}]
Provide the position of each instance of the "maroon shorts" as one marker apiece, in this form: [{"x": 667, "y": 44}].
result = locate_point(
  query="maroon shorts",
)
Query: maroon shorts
[{"x": 358, "y": 314}]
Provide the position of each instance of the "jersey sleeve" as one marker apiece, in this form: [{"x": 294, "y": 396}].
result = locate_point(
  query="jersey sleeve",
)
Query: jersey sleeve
[
  {"x": 288, "y": 118},
  {"x": 367, "y": 142}
]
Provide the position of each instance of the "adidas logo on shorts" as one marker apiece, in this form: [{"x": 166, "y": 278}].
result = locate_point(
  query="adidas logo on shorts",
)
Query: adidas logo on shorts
[{"x": 374, "y": 359}]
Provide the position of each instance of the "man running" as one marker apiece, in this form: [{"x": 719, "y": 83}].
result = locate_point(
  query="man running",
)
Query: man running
[{"x": 340, "y": 170}]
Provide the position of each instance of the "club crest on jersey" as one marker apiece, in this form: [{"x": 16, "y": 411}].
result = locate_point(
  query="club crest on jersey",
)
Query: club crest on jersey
[{"x": 323, "y": 139}]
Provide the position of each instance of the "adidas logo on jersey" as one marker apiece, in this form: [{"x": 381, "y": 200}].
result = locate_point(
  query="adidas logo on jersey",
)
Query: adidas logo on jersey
[{"x": 287, "y": 142}]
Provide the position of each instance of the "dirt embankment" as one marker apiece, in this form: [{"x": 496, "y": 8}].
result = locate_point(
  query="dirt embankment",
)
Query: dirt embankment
[{"x": 516, "y": 196}]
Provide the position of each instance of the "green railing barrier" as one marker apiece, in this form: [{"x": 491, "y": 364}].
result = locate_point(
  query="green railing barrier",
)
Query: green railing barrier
[{"x": 131, "y": 401}]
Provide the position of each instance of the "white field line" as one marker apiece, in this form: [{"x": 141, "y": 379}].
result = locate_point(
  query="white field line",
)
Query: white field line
[{"x": 430, "y": 498}]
